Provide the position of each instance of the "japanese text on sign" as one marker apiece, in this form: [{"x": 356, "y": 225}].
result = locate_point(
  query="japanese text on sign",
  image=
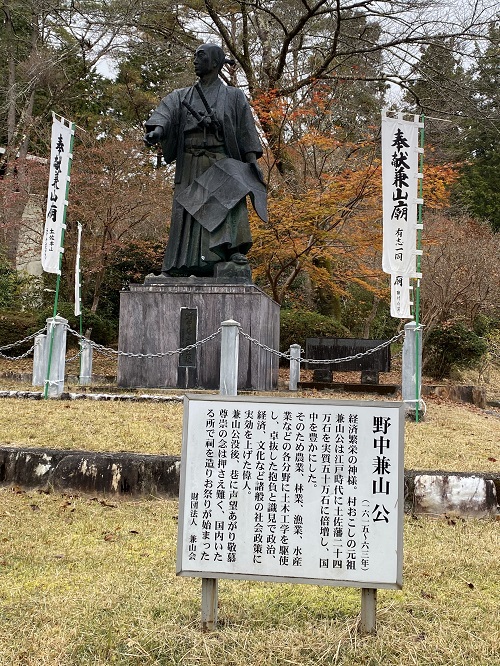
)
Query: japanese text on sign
[{"x": 284, "y": 490}]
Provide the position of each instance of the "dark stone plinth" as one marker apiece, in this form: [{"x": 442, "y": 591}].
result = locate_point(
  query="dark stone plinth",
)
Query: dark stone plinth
[
  {"x": 369, "y": 376},
  {"x": 151, "y": 322},
  {"x": 322, "y": 374}
]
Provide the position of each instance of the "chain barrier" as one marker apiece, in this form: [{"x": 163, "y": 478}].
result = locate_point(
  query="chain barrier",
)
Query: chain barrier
[
  {"x": 113, "y": 353},
  {"x": 108, "y": 351},
  {"x": 18, "y": 358},
  {"x": 73, "y": 358},
  {"x": 20, "y": 342},
  {"x": 265, "y": 347},
  {"x": 386, "y": 343}
]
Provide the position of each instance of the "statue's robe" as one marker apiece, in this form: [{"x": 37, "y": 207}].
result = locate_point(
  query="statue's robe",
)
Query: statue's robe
[{"x": 192, "y": 249}]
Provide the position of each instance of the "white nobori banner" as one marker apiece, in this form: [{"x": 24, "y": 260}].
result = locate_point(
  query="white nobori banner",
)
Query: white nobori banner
[
  {"x": 401, "y": 297},
  {"x": 78, "y": 284},
  {"x": 400, "y": 159},
  {"x": 60, "y": 164}
]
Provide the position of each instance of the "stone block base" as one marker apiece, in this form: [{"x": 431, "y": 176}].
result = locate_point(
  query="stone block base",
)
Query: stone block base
[{"x": 176, "y": 312}]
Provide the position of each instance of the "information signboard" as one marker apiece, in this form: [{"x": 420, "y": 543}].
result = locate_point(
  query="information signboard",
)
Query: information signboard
[{"x": 291, "y": 490}]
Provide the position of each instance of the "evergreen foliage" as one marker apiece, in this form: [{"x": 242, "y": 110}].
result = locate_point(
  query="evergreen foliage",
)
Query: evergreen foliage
[{"x": 451, "y": 346}]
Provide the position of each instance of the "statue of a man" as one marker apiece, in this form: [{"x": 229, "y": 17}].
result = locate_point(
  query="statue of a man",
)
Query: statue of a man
[{"x": 209, "y": 131}]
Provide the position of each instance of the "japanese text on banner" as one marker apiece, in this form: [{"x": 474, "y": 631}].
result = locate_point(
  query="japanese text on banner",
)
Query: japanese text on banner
[{"x": 60, "y": 162}]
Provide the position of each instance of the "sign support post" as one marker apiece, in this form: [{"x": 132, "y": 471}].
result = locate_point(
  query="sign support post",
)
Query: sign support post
[
  {"x": 368, "y": 624},
  {"x": 229, "y": 351}
]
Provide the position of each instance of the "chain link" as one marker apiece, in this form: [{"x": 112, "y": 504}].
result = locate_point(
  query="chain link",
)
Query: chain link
[
  {"x": 20, "y": 342},
  {"x": 265, "y": 347},
  {"x": 355, "y": 356},
  {"x": 18, "y": 358},
  {"x": 73, "y": 358},
  {"x": 108, "y": 351}
]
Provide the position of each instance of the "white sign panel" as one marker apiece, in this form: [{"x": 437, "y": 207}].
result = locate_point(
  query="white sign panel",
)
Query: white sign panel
[
  {"x": 306, "y": 491},
  {"x": 60, "y": 161},
  {"x": 400, "y": 175}
]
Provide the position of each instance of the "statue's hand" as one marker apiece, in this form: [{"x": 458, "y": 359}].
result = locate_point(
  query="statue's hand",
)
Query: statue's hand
[{"x": 154, "y": 137}]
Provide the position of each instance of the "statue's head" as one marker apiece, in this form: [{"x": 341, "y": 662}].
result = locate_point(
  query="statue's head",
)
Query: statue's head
[{"x": 208, "y": 57}]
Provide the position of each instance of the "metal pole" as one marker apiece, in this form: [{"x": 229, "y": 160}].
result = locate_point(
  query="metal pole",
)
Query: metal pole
[
  {"x": 40, "y": 360},
  {"x": 229, "y": 351},
  {"x": 418, "y": 351},
  {"x": 56, "y": 332},
  {"x": 294, "y": 367}
]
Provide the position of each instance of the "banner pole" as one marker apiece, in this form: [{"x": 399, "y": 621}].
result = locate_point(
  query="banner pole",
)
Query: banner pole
[
  {"x": 419, "y": 268},
  {"x": 58, "y": 279}
]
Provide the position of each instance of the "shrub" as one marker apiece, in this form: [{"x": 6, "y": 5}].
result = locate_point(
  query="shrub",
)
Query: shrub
[
  {"x": 297, "y": 325},
  {"x": 103, "y": 331},
  {"x": 452, "y": 345},
  {"x": 16, "y": 325}
]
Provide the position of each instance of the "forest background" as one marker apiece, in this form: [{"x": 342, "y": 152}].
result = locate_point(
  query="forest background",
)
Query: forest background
[{"x": 317, "y": 75}]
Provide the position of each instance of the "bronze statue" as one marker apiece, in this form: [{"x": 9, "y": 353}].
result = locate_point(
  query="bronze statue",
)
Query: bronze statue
[{"x": 209, "y": 131}]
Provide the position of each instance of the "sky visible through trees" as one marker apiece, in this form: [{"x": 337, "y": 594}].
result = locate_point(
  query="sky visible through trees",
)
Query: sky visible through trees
[{"x": 317, "y": 75}]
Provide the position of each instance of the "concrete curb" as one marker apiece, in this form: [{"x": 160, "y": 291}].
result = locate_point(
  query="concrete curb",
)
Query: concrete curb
[
  {"x": 90, "y": 472},
  {"x": 437, "y": 493},
  {"x": 38, "y": 395}
]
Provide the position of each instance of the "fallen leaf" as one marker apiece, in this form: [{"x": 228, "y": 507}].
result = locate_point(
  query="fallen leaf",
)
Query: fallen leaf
[
  {"x": 426, "y": 595},
  {"x": 491, "y": 459},
  {"x": 34, "y": 507}
]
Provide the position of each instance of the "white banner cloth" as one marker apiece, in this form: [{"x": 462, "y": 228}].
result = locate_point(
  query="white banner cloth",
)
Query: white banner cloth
[
  {"x": 400, "y": 176},
  {"x": 60, "y": 164},
  {"x": 401, "y": 300},
  {"x": 78, "y": 285}
]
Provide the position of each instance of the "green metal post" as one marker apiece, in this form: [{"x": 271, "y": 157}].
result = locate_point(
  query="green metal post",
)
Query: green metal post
[{"x": 419, "y": 268}]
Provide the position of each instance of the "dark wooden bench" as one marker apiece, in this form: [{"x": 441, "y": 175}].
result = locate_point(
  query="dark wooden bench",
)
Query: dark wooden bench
[{"x": 370, "y": 365}]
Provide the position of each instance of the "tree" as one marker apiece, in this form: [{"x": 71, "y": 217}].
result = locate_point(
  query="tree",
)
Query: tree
[
  {"x": 479, "y": 185},
  {"x": 284, "y": 47},
  {"x": 461, "y": 274},
  {"x": 118, "y": 196}
]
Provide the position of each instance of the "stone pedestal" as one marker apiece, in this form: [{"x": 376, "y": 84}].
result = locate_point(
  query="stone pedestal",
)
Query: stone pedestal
[{"x": 176, "y": 312}]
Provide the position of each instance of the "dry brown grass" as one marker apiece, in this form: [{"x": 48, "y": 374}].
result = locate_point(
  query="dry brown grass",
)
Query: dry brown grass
[
  {"x": 453, "y": 437},
  {"x": 92, "y": 582},
  {"x": 142, "y": 427}
]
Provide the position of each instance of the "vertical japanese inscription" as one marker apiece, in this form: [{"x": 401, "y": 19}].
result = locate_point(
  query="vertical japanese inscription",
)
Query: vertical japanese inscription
[
  {"x": 302, "y": 491},
  {"x": 187, "y": 336}
]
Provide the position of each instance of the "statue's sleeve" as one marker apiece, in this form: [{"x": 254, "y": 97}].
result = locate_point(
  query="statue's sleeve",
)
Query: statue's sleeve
[
  {"x": 167, "y": 116},
  {"x": 247, "y": 135}
]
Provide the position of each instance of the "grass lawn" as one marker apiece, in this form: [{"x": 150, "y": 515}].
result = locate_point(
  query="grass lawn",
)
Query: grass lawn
[
  {"x": 453, "y": 437},
  {"x": 92, "y": 582}
]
